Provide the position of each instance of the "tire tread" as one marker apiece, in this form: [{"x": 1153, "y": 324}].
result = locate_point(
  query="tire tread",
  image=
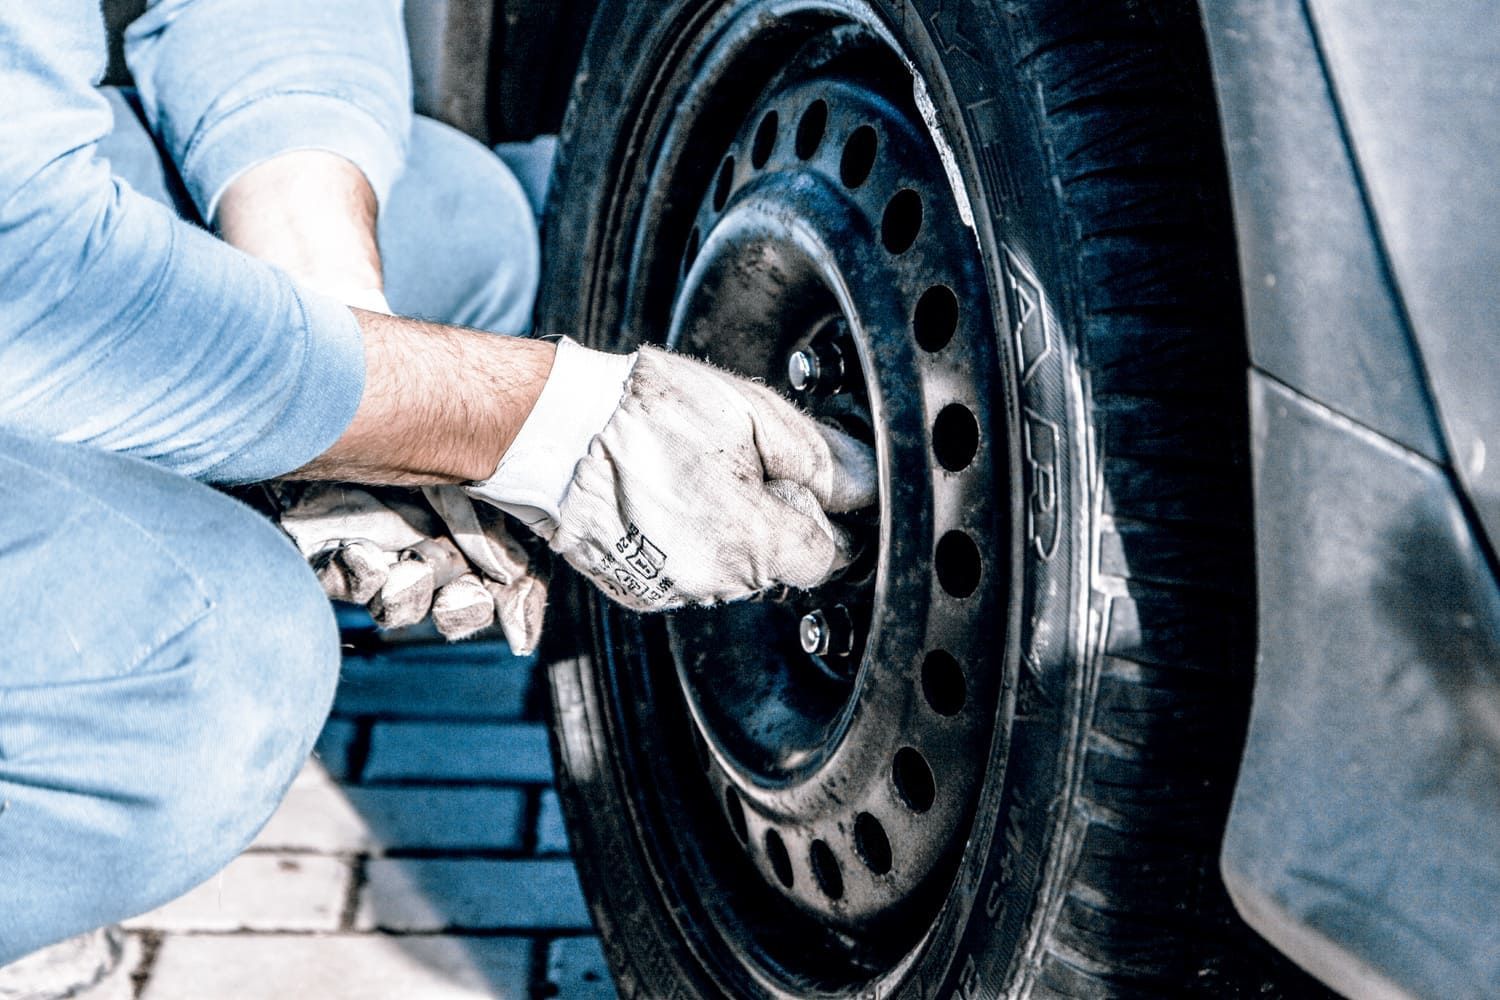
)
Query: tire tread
[{"x": 1141, "y": 187}]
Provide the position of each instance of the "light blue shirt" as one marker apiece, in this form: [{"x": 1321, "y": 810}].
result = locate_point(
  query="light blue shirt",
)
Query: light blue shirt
[{"x": 123, "y": 327}]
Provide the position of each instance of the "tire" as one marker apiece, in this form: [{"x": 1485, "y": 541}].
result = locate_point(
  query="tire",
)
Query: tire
[{"x": 1098, "y": 613}]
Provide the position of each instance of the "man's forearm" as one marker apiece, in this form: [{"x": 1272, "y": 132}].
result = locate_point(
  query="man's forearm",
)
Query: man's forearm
[{"x": 441, "y": 404}]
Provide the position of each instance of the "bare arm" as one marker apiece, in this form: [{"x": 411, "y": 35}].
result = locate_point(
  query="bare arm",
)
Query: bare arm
[{"x": 441, "y": 404}]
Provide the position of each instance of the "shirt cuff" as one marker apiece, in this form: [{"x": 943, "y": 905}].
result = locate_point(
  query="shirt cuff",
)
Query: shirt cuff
[
  {"x": 329, "y": 386},
  {"x": 279, "y": 123}
]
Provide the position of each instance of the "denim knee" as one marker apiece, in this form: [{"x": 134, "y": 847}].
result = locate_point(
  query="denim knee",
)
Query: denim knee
[
  {"x": 458, "y": 236},
  {"x": 266, "y": 665},
  {"x": 129, "y": 783}
]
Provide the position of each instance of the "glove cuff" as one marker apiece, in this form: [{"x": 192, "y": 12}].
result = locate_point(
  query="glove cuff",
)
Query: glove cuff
[{"x": 581, "y": 395}]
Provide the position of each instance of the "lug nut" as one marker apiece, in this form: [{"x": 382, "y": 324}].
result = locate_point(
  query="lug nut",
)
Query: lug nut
[
  {"x": 802, "y": 369},
  {"x": 826, "y": 633},
  {"x": 813, "y": 632},
  {"x": 816, "y": 369}
]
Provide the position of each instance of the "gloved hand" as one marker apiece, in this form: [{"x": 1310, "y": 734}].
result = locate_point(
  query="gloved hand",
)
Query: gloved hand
[
  {"x": 384, "y": 548},
  {"x": 668, "y": 482}
]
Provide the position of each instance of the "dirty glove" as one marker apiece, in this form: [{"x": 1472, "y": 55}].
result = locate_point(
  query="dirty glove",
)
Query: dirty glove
[
  {"x": 516, "y": 586},
  {"x": 384, "y": 548},
  {"x": 695, "y": 486}
]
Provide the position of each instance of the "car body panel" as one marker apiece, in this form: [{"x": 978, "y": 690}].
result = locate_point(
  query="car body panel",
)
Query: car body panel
[
  {"x": 1321, "y": 312},
  {"x": 1366, "y": 814},
  {"x": 1419, "y": 90},
  {"x": 1365, "y": 835}
]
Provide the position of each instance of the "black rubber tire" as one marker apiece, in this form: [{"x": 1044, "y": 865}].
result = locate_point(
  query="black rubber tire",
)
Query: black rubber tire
[{"x": 1086, "y": 138}]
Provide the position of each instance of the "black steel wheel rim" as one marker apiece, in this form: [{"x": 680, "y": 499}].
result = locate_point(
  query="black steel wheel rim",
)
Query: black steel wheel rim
[{"x": 810, "y": 808}]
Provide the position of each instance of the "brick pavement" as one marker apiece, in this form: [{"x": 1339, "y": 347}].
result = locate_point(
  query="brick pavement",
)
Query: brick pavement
[{"x": 421, "y": 855}]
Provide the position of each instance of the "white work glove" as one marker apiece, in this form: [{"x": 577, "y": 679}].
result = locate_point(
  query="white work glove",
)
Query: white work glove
[
  {"x": 384, "y": 548},
  {"x": 668, "y": 482}
]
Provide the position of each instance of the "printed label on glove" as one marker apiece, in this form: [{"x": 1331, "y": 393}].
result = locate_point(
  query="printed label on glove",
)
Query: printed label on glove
[{"x": 638, "y": 569}]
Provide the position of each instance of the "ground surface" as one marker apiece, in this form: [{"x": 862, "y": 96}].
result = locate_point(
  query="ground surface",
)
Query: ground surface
[{"x": 419, "y": 856}]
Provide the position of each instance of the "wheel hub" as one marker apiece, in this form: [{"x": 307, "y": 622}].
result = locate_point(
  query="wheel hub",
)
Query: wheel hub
[{"x": 843, "y": 730}]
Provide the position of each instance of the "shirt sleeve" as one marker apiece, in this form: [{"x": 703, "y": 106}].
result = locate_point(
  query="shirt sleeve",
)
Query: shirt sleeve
[
  {"x": 124, "y": 328},
  {"x": 227, "y": 84}
]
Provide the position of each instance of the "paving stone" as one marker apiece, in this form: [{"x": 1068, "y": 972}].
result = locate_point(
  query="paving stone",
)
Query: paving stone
[
  {"x": 463, "y": 681},
  {"x": 119, "y": 985},
  {"x": 433, "y": 895},
  {"x": 340, "y": 967},
  {"x": 551, "y": 831},
  {"x": 442, "y": 818},
  {"x": 314, "y": 774},
  {"x": 267, "y": 892},
  {"x": 577, "y": 970},
  {"x": 315, "y": 816},
  {"x": 96, "y": 965},
  {"x": 334, "y": 743},
  {"x": 475, "y": 652},
  {"x": 318, "y": 815},
  {"x": 434, "y": 751}
]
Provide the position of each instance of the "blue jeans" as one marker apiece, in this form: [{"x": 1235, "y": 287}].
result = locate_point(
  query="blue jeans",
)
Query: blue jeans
[{"x": 169, "y": 657}]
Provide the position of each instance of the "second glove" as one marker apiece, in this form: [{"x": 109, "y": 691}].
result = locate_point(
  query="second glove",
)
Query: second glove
[{"x": 385, "y": 548}]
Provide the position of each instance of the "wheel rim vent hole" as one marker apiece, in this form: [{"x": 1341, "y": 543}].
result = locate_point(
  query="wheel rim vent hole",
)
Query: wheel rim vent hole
[
  {"x": 736, "y": 810},
  {"x": 810, "y": 129},
  {"x": 765, "y": 139},
  {"x": 936, "y": 318},
  {"x": 914, "y": 781},
  {"x": 943, "y": 683},
  {"x": 781, "y": 862},
  {"x": 955, "y": 437},
  {"x": 871, "y": 844},
  {"x": 825, "y": 868},
  {"x": 902, "y": 221},
  {"x": 859, "y": 156},
  {"x": 958, "y": 564}
]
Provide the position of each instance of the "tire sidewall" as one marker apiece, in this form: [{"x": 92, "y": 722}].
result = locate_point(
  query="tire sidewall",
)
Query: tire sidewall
[{"x": 969, "y": 57}]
